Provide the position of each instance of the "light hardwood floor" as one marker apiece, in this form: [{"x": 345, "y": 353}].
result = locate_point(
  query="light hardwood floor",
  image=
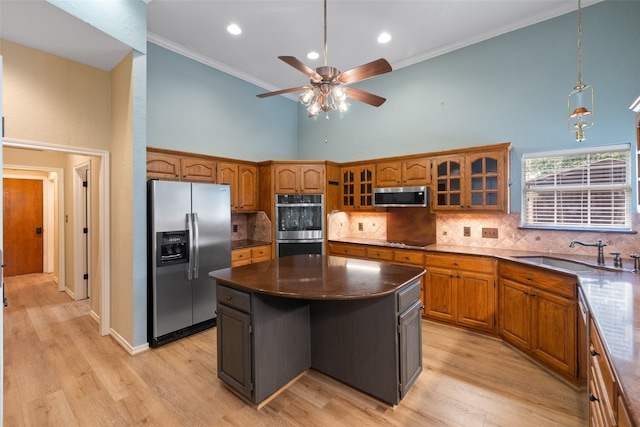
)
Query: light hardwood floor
[{"x": 60, "y": 372}]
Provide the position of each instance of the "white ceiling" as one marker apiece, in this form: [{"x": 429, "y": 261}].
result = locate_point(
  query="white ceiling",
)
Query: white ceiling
[{"x": 420, "y": 29}]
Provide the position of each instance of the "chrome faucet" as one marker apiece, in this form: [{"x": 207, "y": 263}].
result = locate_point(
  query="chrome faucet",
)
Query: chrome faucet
[{"x": 599, "y": 244}]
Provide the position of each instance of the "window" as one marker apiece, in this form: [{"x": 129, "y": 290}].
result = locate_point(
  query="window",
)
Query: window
[{"x": 587, "y": 189}]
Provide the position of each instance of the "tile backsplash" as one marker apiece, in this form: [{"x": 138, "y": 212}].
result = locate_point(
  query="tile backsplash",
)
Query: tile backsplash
[
  {"x": 450, "y": 231},
  {"x": 250, "y": 226}
]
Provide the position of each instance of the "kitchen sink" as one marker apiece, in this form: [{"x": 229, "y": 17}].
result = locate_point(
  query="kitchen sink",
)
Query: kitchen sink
[{"x": 560, "y": 263}]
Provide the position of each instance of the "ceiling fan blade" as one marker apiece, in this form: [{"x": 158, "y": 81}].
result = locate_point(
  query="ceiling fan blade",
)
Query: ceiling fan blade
[
  {"x": 306, "y": 70},
  {"x": 371, "y": 69},
  {"x": 366, "y": 97},
  {"x": 280, "y": 92}
]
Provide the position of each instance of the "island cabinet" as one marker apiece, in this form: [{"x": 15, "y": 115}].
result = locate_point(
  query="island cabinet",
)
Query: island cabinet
[
  {"x": 538, "y": 314},
  {"x": 461, "y": 289},
  {"x": 471, "y": 182},
  {"x": 356, "y": 188},
  {"x": 174, "y": 167},
  {"x": 606, "y": 401},
  {"x": 404, "y": 173},
  {"x": 243, "y": 179},
  {"x": 299, "y": 178}
]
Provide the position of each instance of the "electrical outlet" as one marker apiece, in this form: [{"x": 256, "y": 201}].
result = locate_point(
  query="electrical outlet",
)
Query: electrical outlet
[
  {"x": 235, "y": 228},
  {"x": 490, "y": 233},
  {"x": 467, "y": 232},
  {"x": 360, "y": 226}
]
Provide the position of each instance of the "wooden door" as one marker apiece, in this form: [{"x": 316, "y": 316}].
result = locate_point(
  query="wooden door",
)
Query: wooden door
[
  {"x": 228, "y": 174},
  {"x": 416, "y": 172},
  {"x": 388, "y": 174},
  {"x": 312, "y": 179},
  {"x": 515, "y": 313},
  {"x": 22, "y": 228},
  {"x": 440, "y": 290},
  {"x": 286, "y": 179},
  {"x": 247, "y": 188},
  {"x": 163, "y": 166},
  {"x": 554, "y": 330},
  {"x": 476, "y": 300}
]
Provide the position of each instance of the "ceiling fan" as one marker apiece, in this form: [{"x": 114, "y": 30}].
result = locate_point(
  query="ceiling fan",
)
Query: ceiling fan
[{"x": 327, "y": 91}]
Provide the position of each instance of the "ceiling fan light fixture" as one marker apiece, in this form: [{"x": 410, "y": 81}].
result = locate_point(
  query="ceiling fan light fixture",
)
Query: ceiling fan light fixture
[{"x": 306, "y": 97}]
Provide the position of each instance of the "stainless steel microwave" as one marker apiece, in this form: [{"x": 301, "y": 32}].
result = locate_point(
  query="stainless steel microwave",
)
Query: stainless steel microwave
[{"x": 401, "y": 196}]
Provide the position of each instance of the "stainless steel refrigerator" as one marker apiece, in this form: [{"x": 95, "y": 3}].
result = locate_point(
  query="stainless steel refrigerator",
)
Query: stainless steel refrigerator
[{"x": 189, "y": 233}]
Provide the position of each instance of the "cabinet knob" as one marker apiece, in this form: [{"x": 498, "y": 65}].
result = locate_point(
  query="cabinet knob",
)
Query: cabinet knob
[
  {"x": 594, "y": 353},
  {"x": 593, "y": 398},
  {"x": 526, "y": 292},
  {"x": 529, "y": 278},
  {"x": 228, "y": 297},
  {"x": 455, "y": 263},
  {"x": 533, "y": 294}
]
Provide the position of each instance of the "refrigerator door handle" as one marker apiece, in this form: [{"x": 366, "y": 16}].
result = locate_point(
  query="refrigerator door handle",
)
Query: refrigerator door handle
[
  {"x": 191, "y": 248},
  {"x": 196, "y": 261}
]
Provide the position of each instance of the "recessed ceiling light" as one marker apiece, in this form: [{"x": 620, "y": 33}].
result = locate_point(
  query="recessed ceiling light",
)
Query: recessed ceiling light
[
  {"x": 234, "y": 29},
  {"x": 384, "y": 38},
  {"x": 313, "y": 55}
]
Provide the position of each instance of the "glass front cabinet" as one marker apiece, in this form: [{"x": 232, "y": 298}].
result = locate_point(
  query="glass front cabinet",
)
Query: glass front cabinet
[{"x": 474, "y": 181}]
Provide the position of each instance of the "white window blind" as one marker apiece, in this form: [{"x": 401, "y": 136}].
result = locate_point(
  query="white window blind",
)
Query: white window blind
[{"x": 578, "y": 189}]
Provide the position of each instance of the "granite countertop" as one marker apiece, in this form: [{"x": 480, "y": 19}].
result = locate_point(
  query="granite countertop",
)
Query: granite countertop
[
  {"x": 613, "y": 297},
  {"x": 320, "y": 277},
  {"x": 241, "y": 244}
]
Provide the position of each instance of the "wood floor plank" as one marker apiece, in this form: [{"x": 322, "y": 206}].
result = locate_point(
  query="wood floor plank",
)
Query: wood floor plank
[{"x": 59, "y": 371}]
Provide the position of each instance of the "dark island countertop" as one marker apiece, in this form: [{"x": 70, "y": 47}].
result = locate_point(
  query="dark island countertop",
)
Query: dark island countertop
[{"x": 319, "y": 277}]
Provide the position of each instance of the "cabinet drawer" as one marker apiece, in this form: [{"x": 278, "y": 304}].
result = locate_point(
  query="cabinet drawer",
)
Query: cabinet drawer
[
  {"x": 241, "y": 254},
  {"x": 408, "y": 257},
  {"x": 408, "y": 296},
  {"x": 565, "y": 285},
  {"x": 461, "y": 262},
  {"x": 234, "y": 298},
  {"x": 348, "y": 250},
  {"x": 380, "y": 253},
  {"x": 260, "y": 253},
  {"x": 601, "y": 373}
]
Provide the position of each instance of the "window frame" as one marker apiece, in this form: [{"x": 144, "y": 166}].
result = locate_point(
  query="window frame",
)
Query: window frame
[{"x": 555, "y": 189}]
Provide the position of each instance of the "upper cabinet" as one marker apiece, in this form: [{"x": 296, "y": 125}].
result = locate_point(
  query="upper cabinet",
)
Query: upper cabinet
[
  {"x": 243, "y": 179},
  {"x": 174, "y": 167},
  {"x": 405, "y": 173},
  {"x": 476, "y": 181},
  {"x": 356, "y": 187},
  {"x": 299, "y": 178}
]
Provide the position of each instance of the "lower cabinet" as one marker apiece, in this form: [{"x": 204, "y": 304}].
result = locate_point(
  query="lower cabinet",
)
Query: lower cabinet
[
  {"x": 251, "y": 255},
  {"x": 410, "y": 336},
  {"x": 461, "y": 289},
  {"x": 538, "y": 314}
]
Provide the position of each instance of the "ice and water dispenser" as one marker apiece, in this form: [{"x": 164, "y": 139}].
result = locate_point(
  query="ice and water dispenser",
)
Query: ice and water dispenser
[{"x": 173, "y": 247}]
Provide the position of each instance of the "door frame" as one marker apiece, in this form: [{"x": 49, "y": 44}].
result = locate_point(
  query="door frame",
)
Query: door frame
[
  {"x": 81, "y": 241},
  {"x": 103, "y": 215},
  {"x": 48, "y": 215}
]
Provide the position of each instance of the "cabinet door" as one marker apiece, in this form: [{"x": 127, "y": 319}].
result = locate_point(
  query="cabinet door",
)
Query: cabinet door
[
  {"x": 440, "y": 294},
  {"x": 247, "y": 188},
  {"x": 410, "y": 347},
  {"x": 348, "y": 190},
  {"x": 486, "y": 181},
  {"x": 195, "y": 169},
  {"x": 515, "y": 313},
  {"x": 365, "y": 187},
  {"x": 554, "y": 330},
  {"x": 476, "y": 300},
  {"x": 447, "y": 175},
  {"x": 163, "y": 166},
  {"x": 388, "y": 174},
  {"x": 228, "y": 174},
  {"x": 286, "y": 179},
  {"x": 234, "y": 363},
  {"x": 416, "y": 172},
  {"x": 311, "y": 178}
]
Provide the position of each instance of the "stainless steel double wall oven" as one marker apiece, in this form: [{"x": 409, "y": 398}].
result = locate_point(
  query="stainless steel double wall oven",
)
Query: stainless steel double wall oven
[{"x": 299, "y": 224}]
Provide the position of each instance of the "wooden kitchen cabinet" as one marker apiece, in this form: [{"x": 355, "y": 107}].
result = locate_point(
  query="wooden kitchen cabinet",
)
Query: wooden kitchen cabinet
[
  {"x": 347, "y": 249},
  {"x": 538, "y": 314},
  {"x": 357, "y": 188},
  {"x": 471, "y": 181},
  {"x": 404, "y": 173},
  {"x": 174, "y": 167},
  {"x": 250, "y": 255},
  {"x": 461, "y": 289},
  {"x": 243, "y": 179},
  {"x": 297, "y": 178}
]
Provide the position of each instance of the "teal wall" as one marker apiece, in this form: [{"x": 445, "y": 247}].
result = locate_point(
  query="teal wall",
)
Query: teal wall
[
  {"x": 193, "y": 107},
  {"x": 510, "y": 88}
]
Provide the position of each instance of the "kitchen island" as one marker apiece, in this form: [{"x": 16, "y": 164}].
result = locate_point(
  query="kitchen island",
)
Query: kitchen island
[{"x": 354, "y": 320}]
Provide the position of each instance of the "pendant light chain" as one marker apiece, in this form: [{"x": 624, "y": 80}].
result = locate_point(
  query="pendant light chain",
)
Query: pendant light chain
[{"x": 579, "y": 85}]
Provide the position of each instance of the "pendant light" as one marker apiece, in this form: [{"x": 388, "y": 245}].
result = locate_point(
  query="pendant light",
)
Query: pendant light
[{"x": 580, "y": 101}]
